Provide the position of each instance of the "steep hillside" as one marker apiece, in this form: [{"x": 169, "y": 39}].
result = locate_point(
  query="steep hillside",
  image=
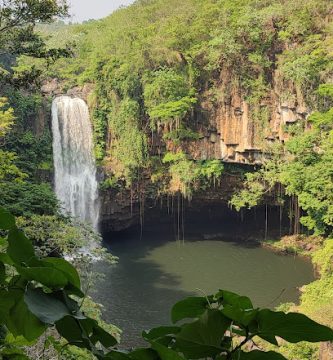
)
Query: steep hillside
[
  {"x": 175, "y": 87},
  {"x": 188, "y": 99},
  {"x": 217, "y": 79}
]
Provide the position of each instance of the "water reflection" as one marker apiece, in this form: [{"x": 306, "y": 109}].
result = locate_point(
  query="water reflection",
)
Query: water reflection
[{"x": 154, "y": 272}]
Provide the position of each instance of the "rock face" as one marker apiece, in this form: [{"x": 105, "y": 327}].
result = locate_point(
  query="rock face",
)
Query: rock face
[
  {"x": 122, "y": 209},
  {"x": 234, "y": 130},
  {"x": 55, "y": 88},
  {"x": 231, "y": 128}
]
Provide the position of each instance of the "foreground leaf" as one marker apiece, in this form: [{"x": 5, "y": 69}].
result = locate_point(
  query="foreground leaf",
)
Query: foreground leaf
[
  {"x": 229, "y": 298},
  {"x": 144, "y": 354},
  {"x": 68, "y": 269},
  {"x": 47, "y": 276},
  {"x": 159, "y": 332},
  {"x": 117, "y": 355},
  {"x": 203, "y": 337},
  {"x": 243, "y": 317},
  {"x": 292, "y": 327},
  {"x": 7, "y": 301},
  {"x": 48, "y": 309},
  {"x": 7, "y": 220},
  {"x": 21, "y": 321},
  {"x": 165, "y": 353},
  {"x": 191, "y": 307},
  {"x": 20, "y": 248}
]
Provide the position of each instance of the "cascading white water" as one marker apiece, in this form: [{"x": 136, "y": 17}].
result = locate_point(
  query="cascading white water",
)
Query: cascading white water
[{"x": 75, "y": 171}]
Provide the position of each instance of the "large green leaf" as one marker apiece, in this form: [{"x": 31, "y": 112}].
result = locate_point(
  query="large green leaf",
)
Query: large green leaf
[
  {"x": 100, "y": 335},
  {"x": 159, "y": 332},
  {"x": 243, "y": 317},
  {"x": 4, "y": 258},
  {"x": 292, "y": 327},
  {"x": 69, "y": 328},
  {"x": 144, "y": 354},
  {"x": 2, "y": 273},
  {"x": 21, "y": 321},
  {"x": 203, "y": 337},
  {"x": 270, "y": 339},
  {"x": 20, "y": 248},
  {"x": 165, "y": 353},
  {"x": 46, "y": 307},
  {"x": 7, "y": 220},
  {"x": 229, "y": 298},
  {"x": 117, "y": 355},
  {"x": 68, "y": 269},
  {"x": 47, "y": 276},
  {"x": 258, "y": 355},
  {"x": 7, "y": 301},
  {"x": 84, "y": 332},
  {"x": 191, "y": 307}
]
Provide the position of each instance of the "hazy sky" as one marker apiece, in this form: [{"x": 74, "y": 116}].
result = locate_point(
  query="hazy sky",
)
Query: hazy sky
[{"x": 94, "y": 9}]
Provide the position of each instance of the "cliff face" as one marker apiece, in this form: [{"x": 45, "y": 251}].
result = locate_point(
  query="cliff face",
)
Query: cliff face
[
  {"x": 232, "y": 131},
  {"x": 125, "y": 208},
  {"x": 229, "y": 130},
  {"x": 229, "y": 127}
]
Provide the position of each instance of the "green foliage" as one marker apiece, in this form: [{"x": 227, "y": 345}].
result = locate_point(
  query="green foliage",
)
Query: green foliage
[
  {"x": 304, "y": 64},
  {"x": 251, "y": 194},
  {"x": 25, "y": 106},
  {"x": 32, "y": 151},
  {"x": 211, "y": 169},
  {"x": 18, "y": 37},
  {"x": 316, "y": 298},
  {"x": 38, "y": 295},
  {"x": 6, "y": 117},
  {"x": 168, "y": 56},
  {"x": 53, "y": 235},
  {"x": 27, "y": 199},
  {"x": 8, "y": 170},
  {"x": 110, "y": 183},
  {"x": 167, "y": 96},
  {"x": 304, "y": 169},
  {"x": 129, "y": 148},
  {"x": 118, "y": 111},
  {"x": 323, "y": 258},
  {"x": 181, "y": 134},
  {"x": 325, "y": 90},
  {"x": 218, "y": 320},
  {"x": 187, "y": 175}
]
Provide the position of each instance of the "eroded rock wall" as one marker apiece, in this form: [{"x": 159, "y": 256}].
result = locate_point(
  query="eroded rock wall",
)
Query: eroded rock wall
[{"x": 230, "y": 127}]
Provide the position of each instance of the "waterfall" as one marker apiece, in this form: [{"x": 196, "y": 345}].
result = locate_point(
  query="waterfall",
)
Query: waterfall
[{"x": 75, "y": 171}]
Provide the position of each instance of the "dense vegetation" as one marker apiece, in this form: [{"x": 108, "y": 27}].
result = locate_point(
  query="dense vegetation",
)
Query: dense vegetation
[
  {"x": 155, "y": 62},
  {"x": 152, "y": 66},
  {"x": 25, "y": 189}
]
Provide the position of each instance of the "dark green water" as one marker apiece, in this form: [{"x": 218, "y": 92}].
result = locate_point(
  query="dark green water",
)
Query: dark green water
[{"x": 154, "y": 272}]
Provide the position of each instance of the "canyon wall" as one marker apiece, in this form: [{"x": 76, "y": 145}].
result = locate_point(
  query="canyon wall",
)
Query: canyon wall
[
  {"x": 229, "y": 130},
  {"x": 232, "y": 131}
]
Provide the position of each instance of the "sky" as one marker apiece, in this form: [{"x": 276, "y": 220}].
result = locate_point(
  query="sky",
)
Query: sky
[{"x": 94, "y": 9}]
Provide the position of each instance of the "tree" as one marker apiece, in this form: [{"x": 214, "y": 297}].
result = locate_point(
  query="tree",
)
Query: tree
[{"x": 18, "y": 37}]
